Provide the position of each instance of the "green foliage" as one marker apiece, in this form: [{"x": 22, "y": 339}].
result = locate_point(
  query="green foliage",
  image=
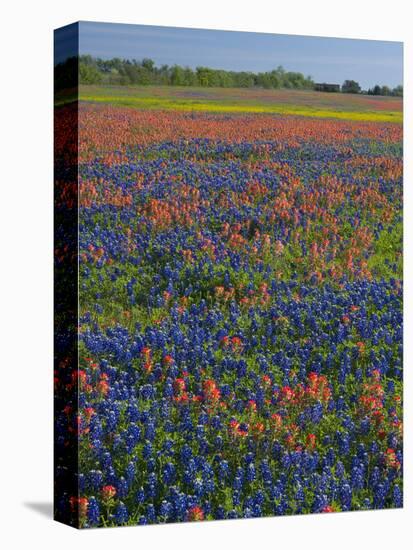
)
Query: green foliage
[
  {"x": 385, "y": 90},
  {"x": 398, "y": 91},
  {"x": 387, "y": 253},
  {"x": 124, "y": 72},
  {"x": 350, "y": 87},
  {"x": 88, "y": 74}
]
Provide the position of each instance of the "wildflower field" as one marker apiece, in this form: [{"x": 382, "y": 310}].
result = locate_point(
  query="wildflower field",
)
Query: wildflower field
[
  {"x": 240, "y": 294},
  {"x": 247, "y": 100}
]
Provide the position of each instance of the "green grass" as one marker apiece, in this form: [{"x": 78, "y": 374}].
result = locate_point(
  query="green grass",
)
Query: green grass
[{"x": 387, "y": 251}]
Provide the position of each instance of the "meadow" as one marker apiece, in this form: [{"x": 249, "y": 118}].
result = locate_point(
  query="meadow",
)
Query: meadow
[
  {"x": 247, "y": 100},
  {"x": 240, "y": 330}
]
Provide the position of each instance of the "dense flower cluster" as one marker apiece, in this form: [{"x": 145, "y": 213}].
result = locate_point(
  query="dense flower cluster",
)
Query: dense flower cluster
[{"x": 241, "y": 317}]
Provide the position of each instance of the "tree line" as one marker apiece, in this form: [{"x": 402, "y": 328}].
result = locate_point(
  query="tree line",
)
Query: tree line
[
  {"x": 353, "y": 87},
  {"x": 385, "y": 90},
  {"x": 116, "y": 71},
  {"x": 125, "y": 71}
]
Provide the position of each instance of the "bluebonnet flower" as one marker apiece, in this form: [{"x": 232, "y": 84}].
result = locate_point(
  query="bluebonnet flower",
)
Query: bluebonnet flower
[
  {"x": 169, "y": 473},
  {"x": 93, "y": 511},
  {"x": 397, "y": 497},
  {"x": 95, "y": 480},
  {"x": 121, "y": 513},
  {"x": 346, "y": 496},
  {"x": 140, "y": 495},
  {"x": 122, "y": 487}
]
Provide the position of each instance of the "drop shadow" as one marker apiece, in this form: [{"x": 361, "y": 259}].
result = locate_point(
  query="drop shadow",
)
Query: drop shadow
[{"x": 45, "y": 509}]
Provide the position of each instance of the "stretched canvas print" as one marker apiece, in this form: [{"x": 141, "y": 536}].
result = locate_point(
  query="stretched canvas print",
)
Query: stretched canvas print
[{"x": 228, "y": 275}]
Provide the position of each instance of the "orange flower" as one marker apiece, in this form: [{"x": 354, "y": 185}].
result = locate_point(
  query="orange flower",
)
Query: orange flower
[
  {"x": 310, "y": 441},
  {"x": 195, "y": 513},
  {"x": 108, "y": 492}
]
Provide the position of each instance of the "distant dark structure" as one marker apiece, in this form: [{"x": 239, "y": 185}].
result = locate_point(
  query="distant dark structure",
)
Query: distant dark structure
[{"x": 323, "y": 87}]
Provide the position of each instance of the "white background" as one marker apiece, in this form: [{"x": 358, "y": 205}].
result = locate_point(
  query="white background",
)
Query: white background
[{"x": 27, "y": 281}]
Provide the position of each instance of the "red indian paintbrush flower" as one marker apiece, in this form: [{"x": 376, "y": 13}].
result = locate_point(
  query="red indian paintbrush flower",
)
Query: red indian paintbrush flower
[
  {"x": 108, "y": 492},
  {"x": 195, "y": 513}
]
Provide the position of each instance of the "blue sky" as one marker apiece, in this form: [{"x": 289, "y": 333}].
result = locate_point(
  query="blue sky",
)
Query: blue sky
[{"x": 325, "y": 59}]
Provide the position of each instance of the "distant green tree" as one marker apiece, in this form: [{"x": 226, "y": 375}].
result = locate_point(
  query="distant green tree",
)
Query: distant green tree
[
  {"x": 350, "y": 87},
  {"x": 88, "y": 74},
  {"x": 116, "y": 63},
  {"x": 87, "y": 60},
  {"x": 177, "y": 76},
  {"x": 189, "y": 77},
  {"x": 148, "y": 64},
  {"x": 244, "y": 79},
  {"x": 264, "y": 80},
  {"x": 398, "y": 91},
  {"x": 204, "y": 76},
  {"x": 162, "y": 74},
  {"x": 275, "y": 79},
  {"x": 376, "y": 90},
  {"x": 295, "y": 80}
]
